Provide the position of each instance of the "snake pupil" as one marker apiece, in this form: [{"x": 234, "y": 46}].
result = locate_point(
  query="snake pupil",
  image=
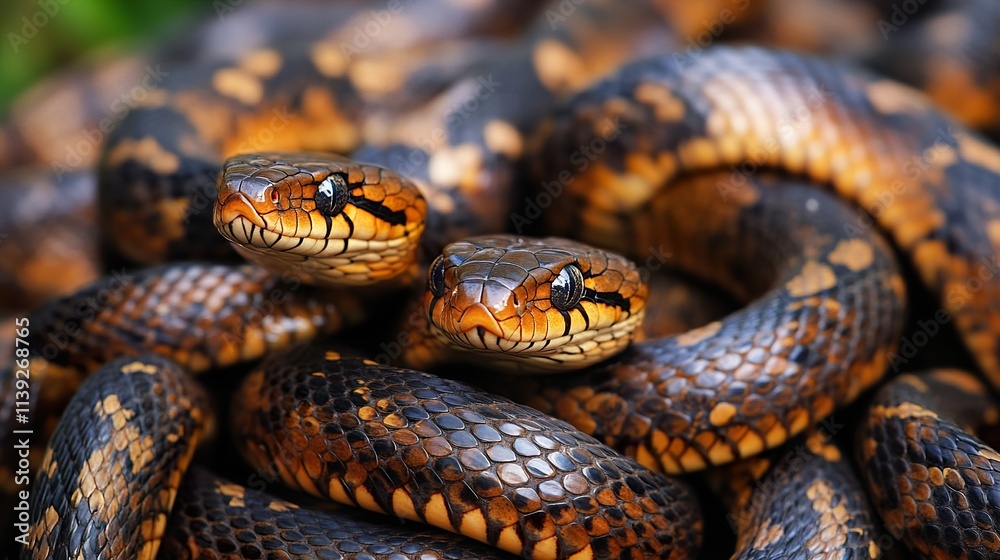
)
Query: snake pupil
[
  {"x": 332, "y": 195},
  {"x": 567, "y": 288},
  {"x": 436, "y": 276}
]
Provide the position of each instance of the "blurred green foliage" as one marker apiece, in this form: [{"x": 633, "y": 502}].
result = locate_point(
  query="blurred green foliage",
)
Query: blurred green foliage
[{"x": 42, "y": 35}]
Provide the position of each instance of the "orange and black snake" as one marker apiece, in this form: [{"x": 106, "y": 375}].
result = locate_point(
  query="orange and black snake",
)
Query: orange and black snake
[
  {"x": 829, "y": 301},
  {"x": 932, "y": 480}
]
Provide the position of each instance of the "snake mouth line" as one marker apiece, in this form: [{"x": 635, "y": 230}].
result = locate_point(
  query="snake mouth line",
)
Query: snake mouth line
[
  {"x": 583, "y": 348},
  {"x": 249, "y": 236},
  {"x": 331, "y": 261}
]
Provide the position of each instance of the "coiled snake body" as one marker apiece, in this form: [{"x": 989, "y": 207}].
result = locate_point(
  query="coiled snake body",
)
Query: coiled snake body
[{"x": 932, "y": 480}]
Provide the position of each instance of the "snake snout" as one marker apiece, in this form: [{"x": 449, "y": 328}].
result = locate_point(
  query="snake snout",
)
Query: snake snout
[
  {"x": 235, "y": 206},
  {"x": 479, "y": 316},
  {"x": 483, "y": 305}
]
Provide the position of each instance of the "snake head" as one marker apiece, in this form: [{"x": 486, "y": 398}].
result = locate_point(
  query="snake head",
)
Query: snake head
[
  {"x": 326, "y": 219},
  {"x": 533, "y": 304}
]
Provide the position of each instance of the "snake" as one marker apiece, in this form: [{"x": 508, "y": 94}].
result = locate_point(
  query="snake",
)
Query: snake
[
  {"x": 217, "y": 518},
  {"x": 460, "y": 141},
  {"x": 138, "y": 415},
  {"x": 335, "y": 222},
  {"x": 803, "y": 498},
  {"x": 729, "y": 118},
  {"x": 457, "y": 458},
  {"x": 827, "y": 308},
  {"x": 813, "y": 271},
  {"x": 534, "y": 304},
  {"x": 949, "y": 53},
  {"x": 80, "y": 323},
  {"x": 931, "y": 479},
  {"x": 36, "y": 268},
  {"x": 522, "y": 481},
  {"x": 220, "y": 316}
]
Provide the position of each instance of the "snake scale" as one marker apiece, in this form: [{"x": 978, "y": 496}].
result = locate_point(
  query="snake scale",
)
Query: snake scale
[{"x": 708, "y": 164}]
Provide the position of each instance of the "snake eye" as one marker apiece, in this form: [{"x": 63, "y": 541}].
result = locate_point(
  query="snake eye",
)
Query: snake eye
[
  {"x": 435, "y": 277},
  {"x": 332, "y": 195},
  {"x": 567, "y": 288}
]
